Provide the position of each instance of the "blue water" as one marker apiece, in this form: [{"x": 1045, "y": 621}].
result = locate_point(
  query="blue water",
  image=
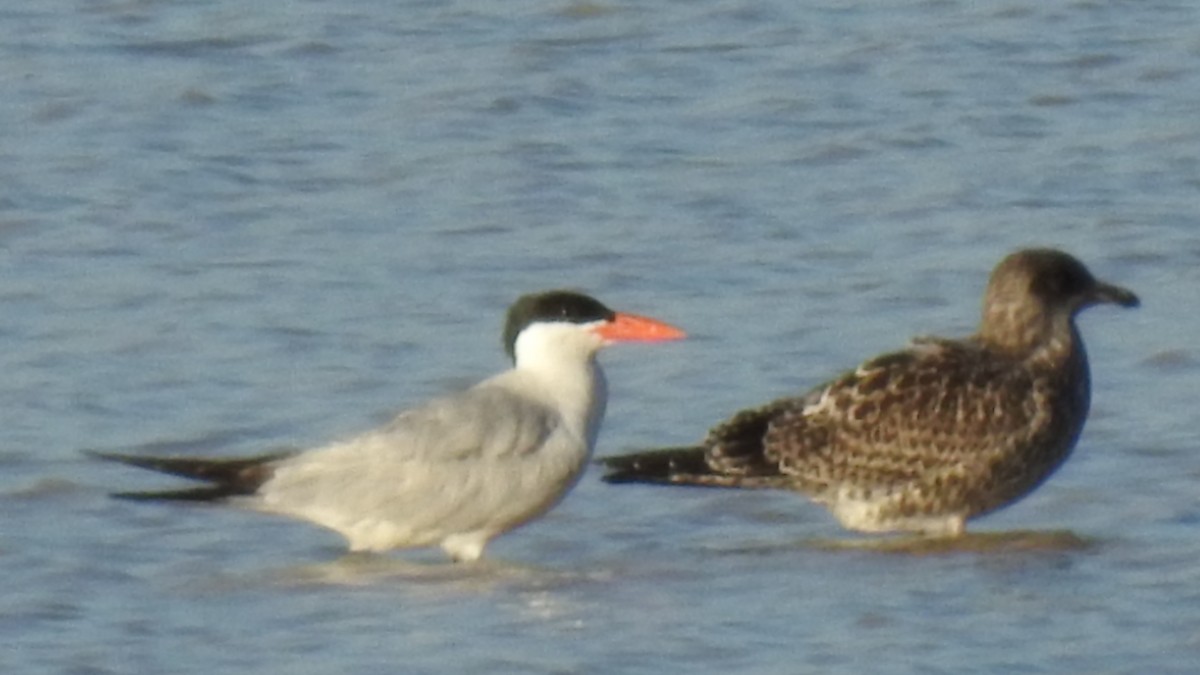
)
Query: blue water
[{"x": 227, "y": 227}]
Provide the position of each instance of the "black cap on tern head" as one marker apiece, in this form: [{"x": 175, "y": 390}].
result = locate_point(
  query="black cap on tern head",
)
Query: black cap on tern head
[{"x": 551, "y": 306}]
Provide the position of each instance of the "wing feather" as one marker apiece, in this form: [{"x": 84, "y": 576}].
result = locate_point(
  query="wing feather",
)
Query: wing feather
[
  {"x": 924, "y": 414},
  {"x": 414, "y": 474}
]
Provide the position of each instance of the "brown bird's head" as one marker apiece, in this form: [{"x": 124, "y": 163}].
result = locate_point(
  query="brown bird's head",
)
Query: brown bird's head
[{"x": 1034, "y": 295}]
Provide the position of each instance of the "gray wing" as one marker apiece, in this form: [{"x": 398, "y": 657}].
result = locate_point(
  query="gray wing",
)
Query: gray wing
[
  {"x": 452, "y": 463},
  {"x": 483, "y": 422}
]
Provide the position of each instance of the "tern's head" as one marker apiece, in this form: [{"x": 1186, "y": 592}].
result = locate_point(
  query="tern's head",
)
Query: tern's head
[
  {"x": 573, "y": 321},
  {"x": 1035, "y": 292}
]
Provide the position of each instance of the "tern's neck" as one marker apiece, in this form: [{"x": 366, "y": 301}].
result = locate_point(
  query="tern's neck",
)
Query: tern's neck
[
  {"x": 561, "y": 365},
  {"x": 575, "y": 387}
]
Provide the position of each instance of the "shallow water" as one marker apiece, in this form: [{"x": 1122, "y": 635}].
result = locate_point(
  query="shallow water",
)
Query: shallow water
[{"x": 228, "y": 228}]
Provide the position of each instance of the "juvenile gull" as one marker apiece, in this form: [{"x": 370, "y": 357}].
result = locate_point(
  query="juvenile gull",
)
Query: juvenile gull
[
  {"x": 459, "y": 470},
  {"x": 923, "y": 439}
]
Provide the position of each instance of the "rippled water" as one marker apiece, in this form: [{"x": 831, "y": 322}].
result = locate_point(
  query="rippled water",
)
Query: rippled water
[{"x": 226, "y": 227}]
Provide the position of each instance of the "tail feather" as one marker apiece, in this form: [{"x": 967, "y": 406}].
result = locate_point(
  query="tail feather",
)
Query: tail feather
[
  {"x": 227, "y": 477},
  {"x": 212, "y": 493},
  {"x": 696, "y": 466},
  {"x": 664, "y": 466}
]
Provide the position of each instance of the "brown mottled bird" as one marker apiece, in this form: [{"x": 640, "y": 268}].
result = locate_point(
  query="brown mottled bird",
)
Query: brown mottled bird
[{"x": 923, "y": 439}]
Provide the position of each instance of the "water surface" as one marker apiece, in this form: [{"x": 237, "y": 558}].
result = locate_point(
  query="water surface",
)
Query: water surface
[{"x": 226, "y": 228}]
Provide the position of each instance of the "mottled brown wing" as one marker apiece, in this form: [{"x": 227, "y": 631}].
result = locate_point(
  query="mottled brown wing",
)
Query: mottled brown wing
[
  {"x": 736, "y": 447},
  {"x": 921, "y": 416}
]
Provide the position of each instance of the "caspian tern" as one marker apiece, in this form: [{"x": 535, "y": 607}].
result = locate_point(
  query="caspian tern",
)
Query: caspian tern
[
  {"x": 923, "y": 439},
  {"x": 459, "y": 470}
]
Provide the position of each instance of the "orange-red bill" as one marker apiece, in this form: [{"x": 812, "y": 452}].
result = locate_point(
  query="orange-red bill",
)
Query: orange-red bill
[{"x": 631, "y": 327}]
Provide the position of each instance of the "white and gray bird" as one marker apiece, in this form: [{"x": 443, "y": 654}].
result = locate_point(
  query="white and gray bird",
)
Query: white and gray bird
[
  {"x": 454, "y": 472},
  {"x": 923, "y": 439}
]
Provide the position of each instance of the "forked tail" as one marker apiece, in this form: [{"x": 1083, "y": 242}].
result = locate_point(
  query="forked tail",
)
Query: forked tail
[{"x": 225, "y": 477}]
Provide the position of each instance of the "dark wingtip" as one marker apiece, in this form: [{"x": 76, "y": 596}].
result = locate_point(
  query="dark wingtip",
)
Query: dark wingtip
[
  {"x": 654, "y": 466},
  {"x": 116, "y": 457},
  {"x": 226, "y": 477},
  {"x": 201, "y": 494}
]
